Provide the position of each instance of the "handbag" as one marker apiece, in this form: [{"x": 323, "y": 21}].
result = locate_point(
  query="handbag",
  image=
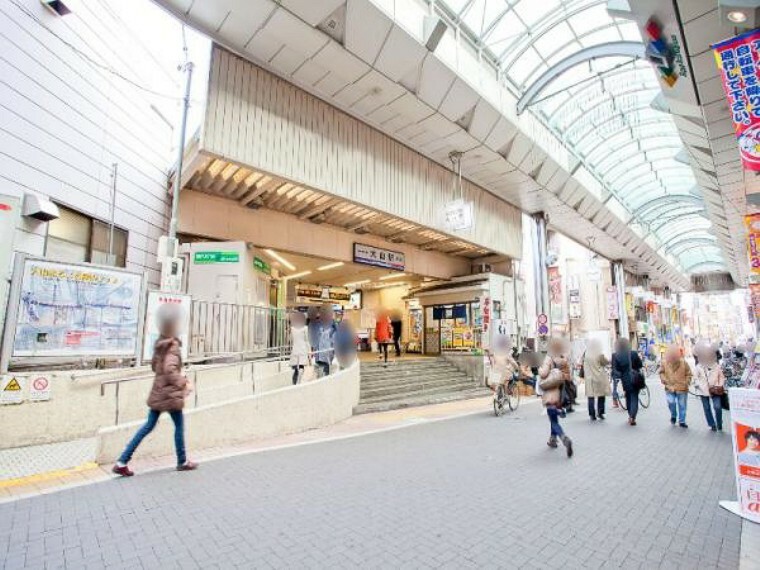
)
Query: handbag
[
  {"x": 637, "y": 378},
  {"x": 724, "y": 401},
  {"x": 717, "y": 390}
]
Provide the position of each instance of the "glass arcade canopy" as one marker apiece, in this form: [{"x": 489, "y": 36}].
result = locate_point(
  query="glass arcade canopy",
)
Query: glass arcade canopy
[{"x": 602, "y": 109}]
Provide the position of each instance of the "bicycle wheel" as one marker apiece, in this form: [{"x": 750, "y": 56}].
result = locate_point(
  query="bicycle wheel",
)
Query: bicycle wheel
[
  {"x": 498, "y": 402},
  {"x": 513, "y": 394},
  {"x": 644, "y": 397},
  {"x": 621, "y": 399}
]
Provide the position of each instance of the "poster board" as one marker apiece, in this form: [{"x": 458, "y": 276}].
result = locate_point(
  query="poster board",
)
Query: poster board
[
  {"x": 745, "y": 434},
  {"x": 72, "y": 310},
  {"x": 155, "y": 300}
]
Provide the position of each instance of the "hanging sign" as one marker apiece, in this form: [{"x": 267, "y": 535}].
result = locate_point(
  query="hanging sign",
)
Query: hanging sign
[
  {"x": 754, "y": 291},
  {"x": 753, "y": 242},
  {"x": 745, "y": 433},
  {"x": 574, "y": 297},
  {"x": 261, "y": 265},
  {"x": 737, "y": 61},
  {"x": 306, "y": 293},
  {"x": 612, "y": 303},
  {"x": 458, "y": 216},
  {"x": 379, "y": 257},
  {"x": 207, "y": 257},
  {"x": 11, "y": 389}
]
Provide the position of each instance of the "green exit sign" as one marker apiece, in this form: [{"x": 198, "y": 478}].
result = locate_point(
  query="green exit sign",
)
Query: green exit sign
[
  {"x": 202, "y": 257},
  {"x": 261, "y": 265}
]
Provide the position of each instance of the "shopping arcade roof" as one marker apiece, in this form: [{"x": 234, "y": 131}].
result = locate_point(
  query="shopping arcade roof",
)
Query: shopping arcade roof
[{"x": 602, "y": 109}]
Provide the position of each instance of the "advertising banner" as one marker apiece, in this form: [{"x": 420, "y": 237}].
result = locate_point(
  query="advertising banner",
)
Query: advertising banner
[
  {"x": 754, "y": 291},
  {"x": 155, "y": 300},
  {"x": 306, "y": 293},
  {"x": 745, "y": 432},
  {"x": 612, "y": 303},
  {"x": 737, "y": 61},
  {"x": 753, "y": 242},
  {"x": 75, "y": 310}
]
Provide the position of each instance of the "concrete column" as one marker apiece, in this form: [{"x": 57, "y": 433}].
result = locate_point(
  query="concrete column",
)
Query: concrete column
[
  {"x": 539, "y": 244},
  {"x": 618, "y": 279}
]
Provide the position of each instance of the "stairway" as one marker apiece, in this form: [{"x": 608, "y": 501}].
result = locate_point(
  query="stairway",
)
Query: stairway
[{"x": 413, "y": 382}]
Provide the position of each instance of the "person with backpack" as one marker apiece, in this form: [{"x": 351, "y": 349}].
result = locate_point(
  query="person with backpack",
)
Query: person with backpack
[
  {"x": 168, "y": 393},
  {"x": 594, "y": 373},
  {"x": 626, "y": 368},
  {"x": 553, "y": 374}
]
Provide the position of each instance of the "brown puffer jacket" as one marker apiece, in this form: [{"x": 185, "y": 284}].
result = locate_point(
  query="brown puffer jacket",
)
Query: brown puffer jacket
[{"x": 169, "y": 386}]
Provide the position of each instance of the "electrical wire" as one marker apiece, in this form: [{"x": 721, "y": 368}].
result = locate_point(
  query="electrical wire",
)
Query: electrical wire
[{"x": 92, "y": 61}]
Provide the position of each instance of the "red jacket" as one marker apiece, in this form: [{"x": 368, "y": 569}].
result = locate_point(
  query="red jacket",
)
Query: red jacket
[{"x": 383, "y": 332}]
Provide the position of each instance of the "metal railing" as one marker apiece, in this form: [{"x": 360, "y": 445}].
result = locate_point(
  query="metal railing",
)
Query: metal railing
[{"x": 219, "y": 328}]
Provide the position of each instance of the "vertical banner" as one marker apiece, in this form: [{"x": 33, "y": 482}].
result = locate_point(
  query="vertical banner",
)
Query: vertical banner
[
  {"x": 745, "y": 432},
  {"x": 612, "y": 303},
  {"x": 555, "y": 295},
  {"x": 573, "y": 297},
  {"x": 753, "y": 241},
  {"x": 754, "y": 290},
  {"x": 737, "y": 61}
]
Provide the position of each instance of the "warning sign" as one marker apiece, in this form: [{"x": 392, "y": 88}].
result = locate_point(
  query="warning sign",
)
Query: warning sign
[
  {"x": 11, "y": 389},
  {"x": 39, "y": 389}
]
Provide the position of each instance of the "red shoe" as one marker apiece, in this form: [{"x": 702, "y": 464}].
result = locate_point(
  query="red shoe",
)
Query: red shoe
[
  {"x": 187, "y": 466},
  {"x": 124, "y": 471}
]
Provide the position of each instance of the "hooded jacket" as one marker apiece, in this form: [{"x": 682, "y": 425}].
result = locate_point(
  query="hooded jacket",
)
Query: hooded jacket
[{"x": 170, "y": 384}]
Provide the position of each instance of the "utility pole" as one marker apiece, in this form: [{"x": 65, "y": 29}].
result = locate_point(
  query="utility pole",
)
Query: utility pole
[
  {"x": 114, "y": 175},
  {"x": 180, "y": 151}
]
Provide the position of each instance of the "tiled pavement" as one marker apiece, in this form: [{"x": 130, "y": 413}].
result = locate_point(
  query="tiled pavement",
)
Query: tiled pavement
[
  {"x": 24, "y": 461},
  {"x": 475, "y": 491}
]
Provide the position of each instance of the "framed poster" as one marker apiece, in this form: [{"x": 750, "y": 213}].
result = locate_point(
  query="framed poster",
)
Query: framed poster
[
  {"x": 72, "y": 310},
  {"x": 155, "y": 300}
]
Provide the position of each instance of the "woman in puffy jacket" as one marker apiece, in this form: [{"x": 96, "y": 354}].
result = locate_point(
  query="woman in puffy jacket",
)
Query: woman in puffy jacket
[
  {"x": 553, "y": 373},
  {"x": 170, "y": 387}
]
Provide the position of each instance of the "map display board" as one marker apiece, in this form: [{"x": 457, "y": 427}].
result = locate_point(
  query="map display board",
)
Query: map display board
[{"x": 75, "y": 310}]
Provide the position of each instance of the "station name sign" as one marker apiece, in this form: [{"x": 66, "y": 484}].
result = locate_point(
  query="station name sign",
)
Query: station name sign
[{"x": 379, "y": 257}]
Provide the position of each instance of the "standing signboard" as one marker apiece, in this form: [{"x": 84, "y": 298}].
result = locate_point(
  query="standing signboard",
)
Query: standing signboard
[
  {"x": 738, "y": 60},
  {"x": 745, "y": 433},
  {"x": 155, "y": 300}
]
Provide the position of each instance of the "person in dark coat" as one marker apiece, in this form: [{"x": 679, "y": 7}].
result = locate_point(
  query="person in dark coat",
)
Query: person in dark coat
[
  {"x": 396, "y": 325},
  {"x": 170, "y": 387},
  {"x": 626, "y": 367}
]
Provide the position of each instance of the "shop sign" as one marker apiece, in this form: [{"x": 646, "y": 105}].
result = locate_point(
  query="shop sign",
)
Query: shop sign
[
  {"x": 754, "y": 291},
  {"x": 261, "y": 265},
  {"x": 337, "y": 295},
  {"x": 155, "y": 300},
  {"x": 574, "y": 297},
  {"x": 612, "y": 303},
  {"x": 208, "y": 257},
  {"x": 379, "y": 257},
  {"x": 745, "y": 432},
  {"x": 753, "y": 241},
  {"x": 738, "y": 61},
  {"x": 665, "y": 55}
]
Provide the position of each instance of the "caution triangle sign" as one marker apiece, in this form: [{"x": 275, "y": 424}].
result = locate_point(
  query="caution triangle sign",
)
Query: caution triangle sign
[{"x": 13, "y": 386}]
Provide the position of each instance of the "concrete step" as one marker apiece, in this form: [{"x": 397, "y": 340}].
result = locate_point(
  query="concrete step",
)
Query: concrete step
[
  {"x": 417, "y": 391},
  {"x": 398, "y": 367},
  {"x": 365, "y": 408},
  {"x": 405, "y": 384}
]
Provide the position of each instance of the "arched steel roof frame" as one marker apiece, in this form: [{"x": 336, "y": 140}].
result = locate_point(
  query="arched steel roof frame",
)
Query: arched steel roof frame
[
  {"x": 692, "y": 241},
  {"x": 718, "y": 264}
]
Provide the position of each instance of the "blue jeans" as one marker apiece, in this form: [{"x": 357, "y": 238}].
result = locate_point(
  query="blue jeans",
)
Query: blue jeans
[
  {"x": 615, "y": 394},
  {"x": 717, "y": 421},
  {"x": 556, "y": 429},
  {"x": 677, "y": 404},
  {"x": 179, "y": 436}
]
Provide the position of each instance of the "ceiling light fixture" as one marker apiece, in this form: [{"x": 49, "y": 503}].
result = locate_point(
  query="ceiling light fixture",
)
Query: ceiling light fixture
[
  {"x": 276, "y": 256},
  {"x": 737, "y": 17},
  {"x": 297, "y": 275},
  {"x": 355, "y": 283},
  {"x": 330, "y": 266},
  {"x": 392, "y": 276}
]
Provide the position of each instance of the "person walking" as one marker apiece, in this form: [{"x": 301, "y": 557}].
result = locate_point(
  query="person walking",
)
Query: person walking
[
  {"x": 626, "y": 368},
  {"x": 597, "y": 379},
  {"x": 383, "y": 335},
  {"x": 325, "y": 340},
  {"x": 554, "y": 372},
  {"x": 170, "y": 387},
  {"x": 299, "y": 351},
  {"x": 397, "y": 326},
  {"x": 675, "y": 376},
  {"x": 709, "y": 385}
]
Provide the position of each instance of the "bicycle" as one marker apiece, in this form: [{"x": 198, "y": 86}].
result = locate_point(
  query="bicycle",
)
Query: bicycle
[
  {"x": 509, "y": 394},
  {"x": 645, "y": 398}
]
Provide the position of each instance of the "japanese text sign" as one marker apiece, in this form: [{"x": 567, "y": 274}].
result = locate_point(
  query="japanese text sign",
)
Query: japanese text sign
[
  {"x": 753, "y": 242},
  {"x": 379, "y": 257},
  {"x": 737, "y": 60}
]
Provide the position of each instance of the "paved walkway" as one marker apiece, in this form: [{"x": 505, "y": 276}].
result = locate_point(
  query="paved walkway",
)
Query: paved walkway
[{"x": 473, "y": 491}]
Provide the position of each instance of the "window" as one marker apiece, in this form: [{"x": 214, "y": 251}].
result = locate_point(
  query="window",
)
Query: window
[{"x": 77, "y": 237}]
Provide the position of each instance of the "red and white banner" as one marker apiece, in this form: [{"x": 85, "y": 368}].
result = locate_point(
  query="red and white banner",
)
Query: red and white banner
[{"x": 738, "y": 60}]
